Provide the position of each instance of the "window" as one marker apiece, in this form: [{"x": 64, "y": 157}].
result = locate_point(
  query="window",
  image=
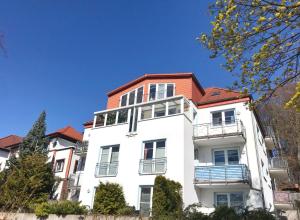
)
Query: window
[
  {"x": 146, "y": 112},
  {"x": 75, "y": 166},
  {"x": 174, "y": 107},
  {"x": 229, "y": 157},
  {"x": 196, "y": 154},
  {"x": 227, "y": 117},
  {"x": 108, "y": 165},
  {"x": 81, "y": 164},
  {"x": 145, "y": 200},
  {"x": 100, "y": 120},
  {"x": 153, "y": 157},
  {"x": 122, "y": 117},
  {"x": 59, "y": 166},
  {"x": 111, "y": 118},
  {"x": 234, "y": 200},
  {"x": 160, "y": 110},
  {"x": 161, "y": 91},
  {"x": 133, "y": 97}
]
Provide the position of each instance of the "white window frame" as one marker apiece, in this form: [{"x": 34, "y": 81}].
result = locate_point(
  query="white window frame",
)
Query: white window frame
[
  {"x": 109, "y": 157},
  {"x": 154, "y": 148},
  {"x": 156, "y": 90},
  {"x": 228, "y": 197},
  {"x": 139, "y": 197},
  {"x": 135, "y": 97},
  {"x": 63, "y": 166},
  {"x": 223, "y": 117},
  {"x": 225, "y": 154}
]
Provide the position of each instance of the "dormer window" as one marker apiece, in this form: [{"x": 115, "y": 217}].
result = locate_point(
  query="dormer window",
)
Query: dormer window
[
  {"x": 161, "y": 91},
  {"x": 133, "y": 97}
]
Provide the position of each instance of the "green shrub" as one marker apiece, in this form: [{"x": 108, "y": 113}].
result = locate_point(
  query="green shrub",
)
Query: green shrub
[
  {"x": 128, "y": 210},
  {"x": 109, "y": 199},
  {"x": 261, "y": 214},
  {"x": 167, "y": 200},
  {"x": 60, "y": 208},
  {"x": 192, "y": 213},
  {"x": 224, "y": 213}
]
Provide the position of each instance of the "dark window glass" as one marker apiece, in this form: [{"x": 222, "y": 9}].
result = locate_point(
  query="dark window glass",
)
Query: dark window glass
[
  {"x": 170, "y": 90},
  {"x": 124, "y": 100},
  {"x": 131, "y": 98},
  {"x": 233, "y": 156},
  {"x": 100, "y": 120},
  {"x": 229, "y": 117},
  {"x": 222, "y": 200},
  {"x": 123, "y": 114},
  {"x": 111, "y": 118},
  {"x": 236, "y": 201},
  {"x": 160, "y": 110},
  {"x": 139, "y": 96},
  {"x": 217, "y": 118},
  {"x": 81, "y": 164},
  {"x": 219, "y": 157},
  {"x": 145, "y": 201},
  {"x": 75, "y": 166},
  {"x": 148, "y": 151},
  {"x": 196, "y": 154},
  {"x": 152, "y": 93}
]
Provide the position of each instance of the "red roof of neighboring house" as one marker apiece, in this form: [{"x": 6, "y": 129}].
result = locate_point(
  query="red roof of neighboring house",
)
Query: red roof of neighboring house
[
  {"x": 68, "y": 133},
  {"x": 213, "y": 95},
  {"x": 10, "y": 141},
  {"x": 157, "y": 76}
]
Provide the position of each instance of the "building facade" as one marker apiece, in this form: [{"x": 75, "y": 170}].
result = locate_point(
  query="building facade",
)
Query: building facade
[{"x": 167, "y": 124}]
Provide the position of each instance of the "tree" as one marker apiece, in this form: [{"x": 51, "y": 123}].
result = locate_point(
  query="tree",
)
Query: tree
[
  {"x": 167, "y": 200},
  {"x": 260, "y": 42},
  {"x": 109, "y": 199},
  {"x": 36, "y": 140}
]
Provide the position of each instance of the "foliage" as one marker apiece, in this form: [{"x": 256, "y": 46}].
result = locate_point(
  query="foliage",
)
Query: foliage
[
  {"x": 192, "y": 213},
  {"x": 27, "y": 182},
  {"x": 167, "y": 200},
  {"x": 128, "y": 210},
  {"x": 60, "y": 208},
  {"x": 257, "y": 214},
  {"x": 224, "y": 213},
  {"x": 35, "y": 140},
  {"x": 109, "y": 199},
  {"x": 260, "y": 42},
  {"x": 294, "y": 102}
]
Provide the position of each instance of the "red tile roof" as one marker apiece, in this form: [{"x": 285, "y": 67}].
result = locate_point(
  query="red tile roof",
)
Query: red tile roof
[
  {"x": 10, "y": 141},
  {"x": 214, "y": 94},
  {"x": 69, "y": 133}
]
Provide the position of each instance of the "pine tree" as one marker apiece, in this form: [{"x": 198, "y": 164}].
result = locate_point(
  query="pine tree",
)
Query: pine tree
[{"x": 36, "y": 141}]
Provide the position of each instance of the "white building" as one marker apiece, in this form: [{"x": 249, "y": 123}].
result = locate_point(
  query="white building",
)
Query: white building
[
  {"x": 167, "y": 124},
  {"x": 9, "y": 145}
]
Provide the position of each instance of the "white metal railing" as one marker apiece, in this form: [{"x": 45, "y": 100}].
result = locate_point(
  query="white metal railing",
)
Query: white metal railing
[
  {"x": 278, "y": 163},
  {"x": 153, "y": 166},
  {"x": 224, "y": 128},
  {"x": 107, "y": 169}
]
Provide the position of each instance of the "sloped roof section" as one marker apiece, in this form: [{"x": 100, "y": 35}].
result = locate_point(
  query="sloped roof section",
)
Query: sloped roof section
[
  {"x": 9, "y": 141},
  {"x": 214, "y": 94},
  {"x": 68, "y": 133}
]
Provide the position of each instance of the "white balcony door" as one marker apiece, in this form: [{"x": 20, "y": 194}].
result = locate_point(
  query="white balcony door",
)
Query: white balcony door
[{"x": 226, "y": 157}]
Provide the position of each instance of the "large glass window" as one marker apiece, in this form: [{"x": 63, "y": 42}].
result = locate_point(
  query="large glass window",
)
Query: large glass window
[
  {"x": 139, "y": 96},
  {"x": 174, "y": 107},
  {"x": 233, "y": 156},
  {"x": 229, "y": 117},
  {"x": 100, "y": 120},
  {"x": 233, "y": 199},
  {"x": 108, "y": 165},
  {"x": 219, "y": 157},
  {"x": 146, "y": 112},
  {"x": 228, "y": 156},
  {"x": 170, "y": 90},
  {"x": 221, "y": 199},
  {"x": 217, "y": 118},
  {"x": 226, "y": 117},
  {"x": 148, "y": 151},
  {"x": 111, "y": 118},
  {"x": 161, "y": 91},
  {"x": 145, "y": 200},
  {"x": 131, "y": 98},
  {"x": 152, "y": 92},
  {"x": 160, "y": 110},
  {"x": 123, "y": 115},
  {"x": 124, "y": 100}
]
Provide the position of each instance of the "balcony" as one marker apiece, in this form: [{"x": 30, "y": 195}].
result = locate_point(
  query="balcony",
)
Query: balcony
[
  {"x": 285, "y": 200},
  {"x": 222, "y": 133},
  {"x": 278, "y": 168},
  {"x": 74, "y": 181},
  {"x": 227, "y": 175},
  {"x": 153, "y": 166},
  {"x": 107, "y": 169},
  {"x": 81, "y": 148}
]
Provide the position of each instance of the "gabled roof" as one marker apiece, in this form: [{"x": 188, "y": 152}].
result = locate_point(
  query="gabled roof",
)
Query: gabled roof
[
  {"x": 214, "y": 94},
  {"x": 68, "y": 133},
  {"x": 10, "y": 141},
  {"x": 157, "y": 76}
]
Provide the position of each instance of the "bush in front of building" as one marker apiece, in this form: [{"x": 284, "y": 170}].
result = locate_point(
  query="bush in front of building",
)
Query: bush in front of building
[
  {"x": 110, "y": 200},
  {"x": 192, "y": 212},
  {"x": 167, "y": 200},
  {"x": 63, "y": 208}
]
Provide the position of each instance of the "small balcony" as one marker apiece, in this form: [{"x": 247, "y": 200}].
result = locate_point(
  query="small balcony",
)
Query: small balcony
[
  {"x": 219, "y": 133},
  {"x": 285, "y": 199},
  {"x": 81, "y": 148},
  {"x": 153, "y": 166},
  {"x": 74, "y": 181},
  {"x": 107, "y": 169},
  {"x": 226, "y": 175},
  {"x": 278, "y": 168}
]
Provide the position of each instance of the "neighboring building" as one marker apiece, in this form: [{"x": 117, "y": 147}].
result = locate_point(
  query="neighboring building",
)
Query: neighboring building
[
  {"x": 61, "y": 153},
  {"x": 8, "y": 146},
  {"x": 167, "y": 124}
]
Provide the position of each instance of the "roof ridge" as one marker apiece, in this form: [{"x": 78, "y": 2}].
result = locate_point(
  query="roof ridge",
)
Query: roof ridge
[{"x": 229, "y": 90}]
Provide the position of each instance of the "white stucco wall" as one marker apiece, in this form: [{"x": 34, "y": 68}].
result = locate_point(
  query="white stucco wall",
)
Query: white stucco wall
[{"x": 3, "y": 158}]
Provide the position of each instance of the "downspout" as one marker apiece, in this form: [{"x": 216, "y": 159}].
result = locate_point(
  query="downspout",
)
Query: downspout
[{"x": 258, "y": 163}]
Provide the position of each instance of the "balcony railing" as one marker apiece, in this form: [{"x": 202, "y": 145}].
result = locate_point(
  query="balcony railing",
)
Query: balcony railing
[
  {"x": 74, "y": 181},
  {"x": 278, "y": 163},
  {"x": 222, "y": 174},
  {"x": 286, "y": 197},
  {"x": 81, "y": 148},
  {"x": 225, "y": 128},
  {"x": 153, "y": 166},
  {"x": 107, "y": 169}
]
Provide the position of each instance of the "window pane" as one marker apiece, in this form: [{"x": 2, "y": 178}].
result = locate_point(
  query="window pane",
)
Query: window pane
[
  {"x": 233, "y": 156},
  {"x": 160, "y": 149},
  {"x": 160, "y": 110},
  {"x": 146, "y": 112},
  {"x": 81, "y": 164},
  {"x": 100, "y": 120},
  {"x": 170, "y": 90},
  {"x": 196, "y": 154},
  {"x": 221, "y": 200},
  {"x": 186, "y": 106},
  {"x": 152, "y": 92},
  {"x": 161, "y": 91},
  {"x": 111, "y": 118},
  {"x": 131, "y": 97},
  {"x": 174, "y": 107},
  {"x": 104, "y": 155},
  {"x": 217, "y": 118},
  {"x": 114, "y": 154},
  {"x": 229, "y": 117},
  {"x": 123, "y": 114},
  {"x": 236, "y": 200},
  {"x": 145, "y": 201},
  {"x": 124, "y": 100},
  {"x": 148, "y": 151},
  {"x": 139, "y": 97},
  {"x": 219, "y": 157}
]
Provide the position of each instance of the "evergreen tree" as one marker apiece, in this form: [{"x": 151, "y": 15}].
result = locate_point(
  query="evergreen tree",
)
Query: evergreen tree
[{"x": 35, "y": 140}]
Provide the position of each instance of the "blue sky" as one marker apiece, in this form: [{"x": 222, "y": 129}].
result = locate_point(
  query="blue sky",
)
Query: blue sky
[{"x": 64, "y": 56}]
